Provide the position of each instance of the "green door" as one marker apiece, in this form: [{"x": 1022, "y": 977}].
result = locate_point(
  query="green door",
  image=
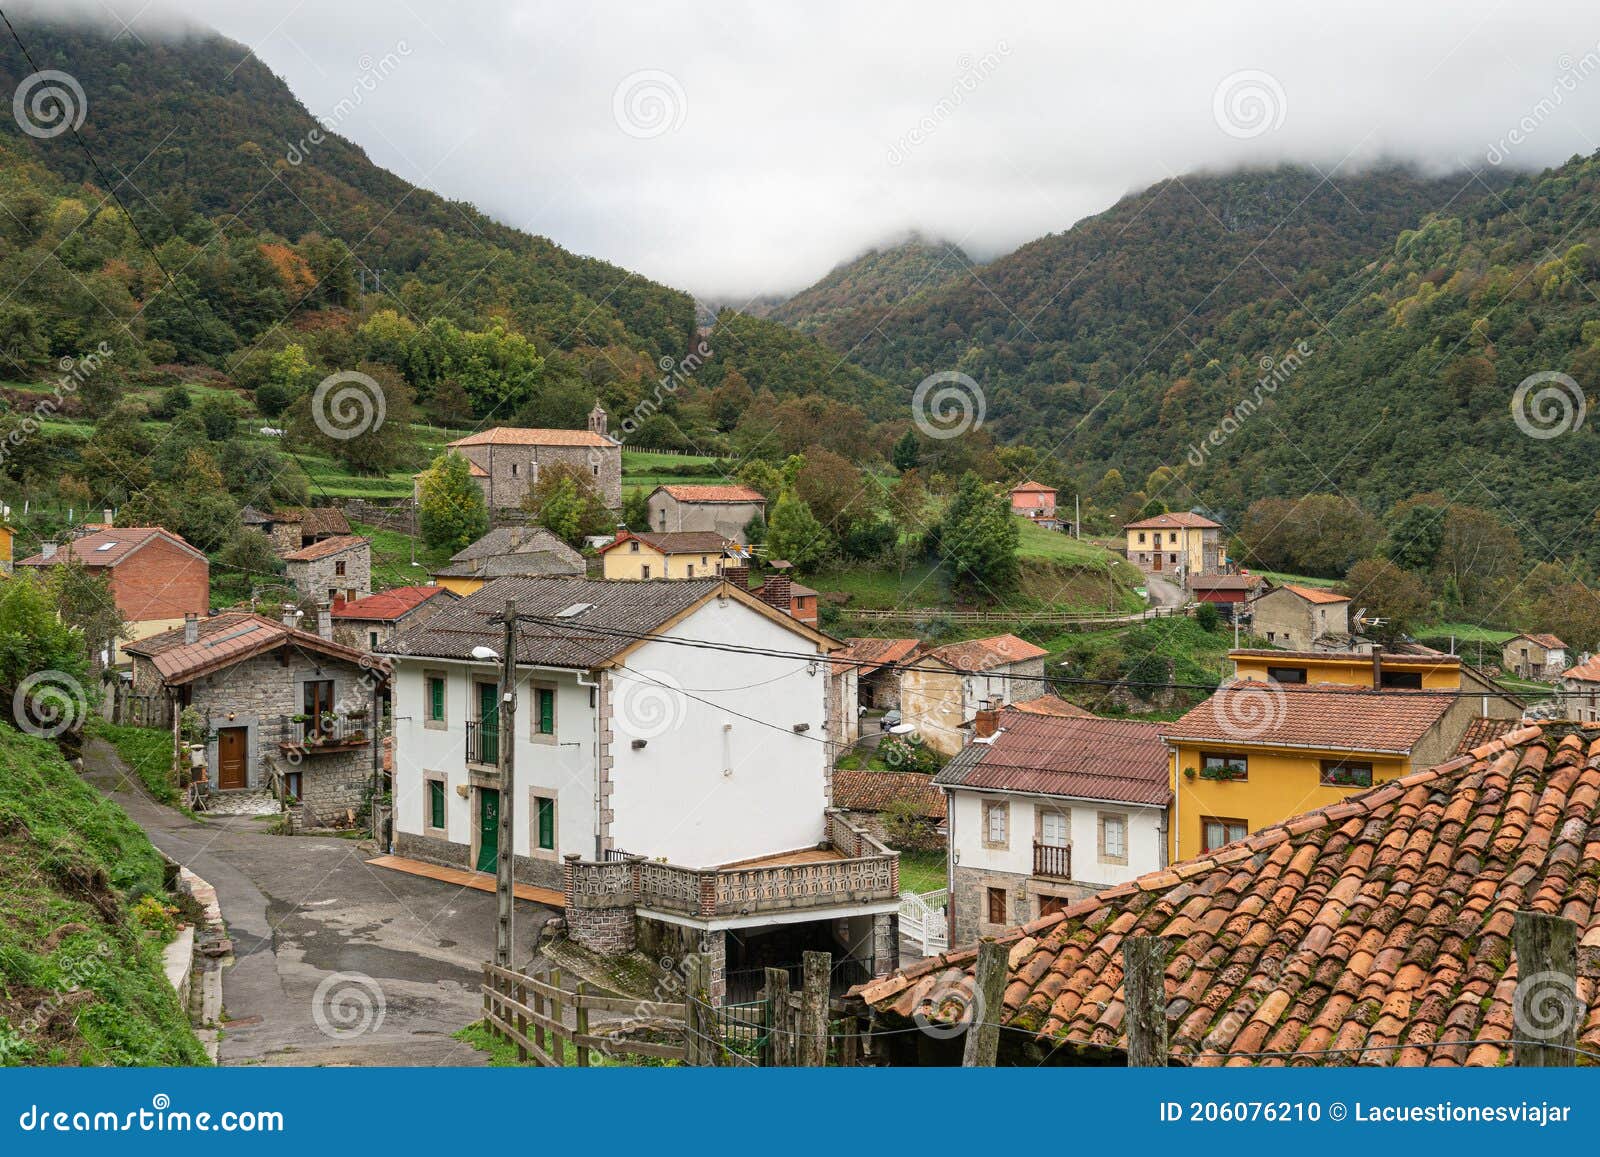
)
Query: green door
[
  {"x": 488, "y": 723},
  {"x": 488, "y": 828}
]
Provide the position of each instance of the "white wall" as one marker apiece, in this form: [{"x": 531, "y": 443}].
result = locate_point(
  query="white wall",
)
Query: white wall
[
  {"x": 710, "y": 787},
  {"x": 1145, "y": 845}
]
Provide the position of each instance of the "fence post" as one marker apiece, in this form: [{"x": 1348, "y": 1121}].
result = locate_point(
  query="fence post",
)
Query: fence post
[
  {"x": 775, "y": 996},
  {"x": 816, "y": 968},
  {"x": 557, "y": 1043},
  {"x": 982, "y": 1045},
  {"x": 1144, "y": 986},
  {"x": 582, "y": 1024},
  {"x": 697, "y": 1021},
  {"x": 1545, "y": 1006},
  {"x": 522, "y": 1023},
  {"x": 487, "y": 1023},
  {"x": 538, "y": 1026}
]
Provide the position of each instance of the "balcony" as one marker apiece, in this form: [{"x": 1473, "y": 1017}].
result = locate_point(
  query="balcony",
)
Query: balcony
[
  {"x": 1053, "y": 861},
  {"x": 851, "y": 868},
  {"x": 483, "y": 742},
  {"x": 327, "y": 734}
]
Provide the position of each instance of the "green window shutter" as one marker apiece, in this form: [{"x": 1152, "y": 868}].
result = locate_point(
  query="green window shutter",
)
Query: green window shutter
[
  {"x": 547, "y": 711},
  {"x": 547, "y": 824},
  {"x": 435, "y": 803},
  {"x": 435, "y": 699}
]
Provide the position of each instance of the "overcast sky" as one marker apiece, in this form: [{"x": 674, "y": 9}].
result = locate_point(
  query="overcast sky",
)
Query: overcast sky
[{"x": 744, "y": 149}]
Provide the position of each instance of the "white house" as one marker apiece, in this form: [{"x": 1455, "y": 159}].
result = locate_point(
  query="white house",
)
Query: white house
[
  {"x": 671, "y": 767},
  {"x": 1046, "y": 809}
]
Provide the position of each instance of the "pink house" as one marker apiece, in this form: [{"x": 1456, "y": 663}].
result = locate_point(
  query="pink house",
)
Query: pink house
[{"x": 1033, "y": 500}]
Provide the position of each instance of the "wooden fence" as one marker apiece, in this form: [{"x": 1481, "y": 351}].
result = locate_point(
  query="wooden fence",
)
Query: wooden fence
[
  {"x": 533, "y": 1013},
  {"x": 911, "y": 616}
]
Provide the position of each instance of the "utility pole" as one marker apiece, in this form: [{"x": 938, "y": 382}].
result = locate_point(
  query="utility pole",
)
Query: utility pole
[{"x": 505, "y": 859}]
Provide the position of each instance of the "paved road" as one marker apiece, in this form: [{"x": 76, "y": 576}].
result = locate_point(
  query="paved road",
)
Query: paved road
[
  {"x": 304, "y": 909},
  {"x": 1164, "y": 593}
]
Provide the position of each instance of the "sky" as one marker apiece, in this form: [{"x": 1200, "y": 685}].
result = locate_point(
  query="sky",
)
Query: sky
[{"x": 740, "y": 150}]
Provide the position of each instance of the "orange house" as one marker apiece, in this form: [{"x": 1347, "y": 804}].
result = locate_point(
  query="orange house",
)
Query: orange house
[{"x": 1033, "y": 500}]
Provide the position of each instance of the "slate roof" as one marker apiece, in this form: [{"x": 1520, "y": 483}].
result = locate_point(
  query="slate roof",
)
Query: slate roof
[
  {"x": 1381, "y": 923},
  {"x": 713, "y": 493},
  {"x": 389, "y": 605},
  {"x": 226, "y": 639},
  {"x": 315, "y": 521},
  {"x": 518, "y": 540},
  {"x": 1225, "y": 582},
  {"x": 875, "y": 791},
  {"x": 117, "y": 542},
  {"x": 1323, "y": 716},
  {"x": 525, "y": 436},
  {"x": 338, "y": 544},
  {"x": 982, "y": 654},
  {"x": 1173, "y": 520},
  {"x": 1428, "y": 658},
  {"x": 1118, "y": 760}
]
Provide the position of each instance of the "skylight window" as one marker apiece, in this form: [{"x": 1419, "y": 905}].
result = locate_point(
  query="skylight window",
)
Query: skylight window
[
  {"x": 574, "y": 611},
  {"x": 106, "y": 546}
]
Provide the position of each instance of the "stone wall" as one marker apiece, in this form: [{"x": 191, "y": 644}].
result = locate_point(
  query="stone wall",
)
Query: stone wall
[
  {"x": 314, "y": 579},
  {"x": 969, "y": 900},
  {"x": 333, "y": 784},
  {"x": 513, "y": 470}
]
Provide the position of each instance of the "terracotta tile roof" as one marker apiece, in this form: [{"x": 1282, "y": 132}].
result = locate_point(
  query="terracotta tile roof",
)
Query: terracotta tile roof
[
  {"x": 1381, "y": 923},
  {"x": 982, "y": 654},
  {"x": 1547, "y": 641},
  {"x": 1121, "y": 760},
  {"x": 1033, "y": 488},
  {"x": 230, "y": 638},
  {"x": 1322, "y": 717},
  {"x": 713, "y": 493},
  {"x": 676, "y": 541},
  {"x": 328, "y": 546},
  {"x": 1173, "y": 520},
  {"x": 388, "y": 605},
  {"x": 870, "y": 654},
  {"x": 108, "y": 547},
  {"x": 875, "y": 791},
  {"x": 521, "y": 436},
  {"x": 1482, "y": 731},
  {"x": 1588, "y": 671},
  {"x": 1316, "y": 594},
  {"x": 1052, "y": 705}
]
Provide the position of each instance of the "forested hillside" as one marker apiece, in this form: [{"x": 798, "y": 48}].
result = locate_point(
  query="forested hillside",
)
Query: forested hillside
[{"x": 876, "y": 280}]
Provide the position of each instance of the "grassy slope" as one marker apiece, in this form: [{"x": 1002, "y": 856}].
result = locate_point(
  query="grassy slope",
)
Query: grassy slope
[
  {"x": 148, "y": 750},
  {"x": 82, "y": 983}
]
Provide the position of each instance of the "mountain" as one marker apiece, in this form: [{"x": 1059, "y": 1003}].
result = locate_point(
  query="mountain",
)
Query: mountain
[
  {"x": 877, "y": 280},
  {"x": 202, "y": 141}
]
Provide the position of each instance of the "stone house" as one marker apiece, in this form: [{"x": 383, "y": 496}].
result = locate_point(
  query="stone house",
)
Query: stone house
[
  {"x": 1299, "y": 618},
  {"x": 334, "y": 569},
  {"x": 944, "y": 688},
  {"x": 672, "y": 775},
  {"x": 723, "y": 509},
  {"x": 1582, "y": 686},
  {"x": 296, "y": 527},
  {"x": 1046, "y": 810},
  {"x": 1534, "y": 656},
  {"x": 366, "y": 624},
  {"x": 509, "y": 552},
  {"x": 1176, "y": 545},
  {"x": 877, "y": 663},
  {"x": 282, "y": 706},
  {"x": 155, "y": 576},
  {"x": 507, "y": 460},
  {"x": 866, "y": 796}
]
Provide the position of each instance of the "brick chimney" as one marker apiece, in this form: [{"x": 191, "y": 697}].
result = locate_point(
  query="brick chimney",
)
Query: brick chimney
[
  {"x": 1377, "y": 668},
  {"x": 191, "y": 627},
  {"x": 325, "y": 621},
  {"x": 291, "y": 615},
  {"x": 47, "y": 550},
  {"x": 739, "y": 576},
  {"x": 986, "y": 722},
  {"x": 776, "y": 592}
]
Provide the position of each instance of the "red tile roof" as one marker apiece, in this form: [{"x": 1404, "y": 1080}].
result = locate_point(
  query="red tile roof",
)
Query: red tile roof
[
  {"x": 675, "y": 541},
  {"x": 1176, "y": 518},
  {"x": 326, "y": 547},
  {"x": 714, "y": 493},
  {"x": 1316, "y": 594},
  {"x": 1481, "y": 731},
  {"x": 875, "y": 791},
  {"x": 1379, "y": 926},
  {"x": 1033, "y": 488},
  {"x": 982, "y": 654},
  {"x": 1588, "y": 671},
  {"x": 522, "y": 436},
  {"x": 869, "y": 656},
  {"x": 1547, "y": 641},
  {"x": 1321, "y": 717},
  {"x": 1053, "y": 705},
  {"x": 388, "y": 605},
  {"x": 230, "y": 638},
  {"x": 1119, "y": 760},
  {"x": 108, "y": 547}
]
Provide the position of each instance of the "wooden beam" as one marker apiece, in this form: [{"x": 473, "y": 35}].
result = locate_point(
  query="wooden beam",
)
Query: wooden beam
[
  {"x": 1144, "y": 983},
  {"x": 982, "y": 1045},
  {"x": 1545, "y": 1009}
]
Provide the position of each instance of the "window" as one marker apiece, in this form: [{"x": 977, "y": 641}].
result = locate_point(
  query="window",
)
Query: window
[
  {"x": 1053, "y": 829},
  {"x": 1113, "y": 838},
  {"x": 317, "y": 702},
  {"x": 1221, "y": 765},
  {"x": 996, "y": 821},
  {"x": 372, "y": 640},
  {"x": 1217, "y": 832},
  {"x": 997, "y": 905},
  {"x": 691, "y": 570},
  {"x": 1345, "y": 773},
  {"x": 595, "y": 470},
  {"x": 644, "y": 571},
  {"x": 1172, "y": 536},
  {"x": 544, "y": 711},
  {"x": 436, "y": 804},
  {"x": 1286, "y": 674},
  {"x": 338, "y": 567},
  {"x": 544, "y": 823},
  {"x": 633, "y": 547},
  {"x": 435, "y": 700},
  {"x": 1172, "y": 558},
  {"x": 1141, "y": 537},
  {"x": 1401, "y": 680},
  {"x": 1049, "y": 905},
  {"x": 513, "y": 470}
]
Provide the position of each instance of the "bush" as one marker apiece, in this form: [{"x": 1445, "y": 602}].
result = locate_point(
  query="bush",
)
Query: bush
[{"x": 1207, "y": 617}]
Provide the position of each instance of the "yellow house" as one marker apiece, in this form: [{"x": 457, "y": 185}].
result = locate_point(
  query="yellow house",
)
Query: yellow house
[
  {"x": 684, "y": 554},
  {"x": 5, "y": 548},
  {"x": 1259, "y": 753},
  {"x": 1175, "y": 545}
]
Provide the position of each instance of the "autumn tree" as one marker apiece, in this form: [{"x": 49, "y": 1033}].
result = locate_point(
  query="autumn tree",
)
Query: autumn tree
[
  {"x": 451, "y": 511},
  {"x": 1387, "y": 592}
]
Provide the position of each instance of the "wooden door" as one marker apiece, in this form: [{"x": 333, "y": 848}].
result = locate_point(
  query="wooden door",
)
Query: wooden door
[
  {"x": 1157, "y": 561},
  {"x": 232, "y": 746},
  {"x": 488, "y": 828}
]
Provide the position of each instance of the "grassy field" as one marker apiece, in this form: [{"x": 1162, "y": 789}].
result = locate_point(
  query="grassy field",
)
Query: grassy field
[
  {"x": 922, "y": 871},
  {"x": 1279, "y": 577},
  {"x": 1464, "y": 633},
  {"x": 391, "y": 557},
  {"x": 148, "y": 750}
]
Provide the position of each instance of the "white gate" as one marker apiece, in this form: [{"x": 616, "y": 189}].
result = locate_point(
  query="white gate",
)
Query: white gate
[{"x": 922, "y": 920}]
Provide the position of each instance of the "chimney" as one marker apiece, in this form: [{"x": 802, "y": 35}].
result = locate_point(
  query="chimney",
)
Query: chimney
[
  {"x": 325, "y": 621},
  {"x": 739, "y": 576},
  {"x": 1377, "y": 668},
  {"x": 191, "y": 627},
  {"x": 775, "y": 592},
  {"x": 47, "y": 550},
  {"x": 986, "y": 722},
  {"x": 106, "y": 516},
  {"x": 291, "y": 615}
]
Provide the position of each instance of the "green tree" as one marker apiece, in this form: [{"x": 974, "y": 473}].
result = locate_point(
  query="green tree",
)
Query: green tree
[
  {"x": 793, "y": 532},
  {"x": 85, "y": 603},
  {"x": 363, "y": 421},
  {"x": 636, "y": 509},
  {"x": 907, "y": 453},
  {"x": 1390, "y": 593},
  {"x": 35, "y": 640},
  {"x": 1415, "y": 537},
  {"x": 978, "y": 539},
  {"x": 451, "y": 512},
  {"x": 566, "y": 503}
]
